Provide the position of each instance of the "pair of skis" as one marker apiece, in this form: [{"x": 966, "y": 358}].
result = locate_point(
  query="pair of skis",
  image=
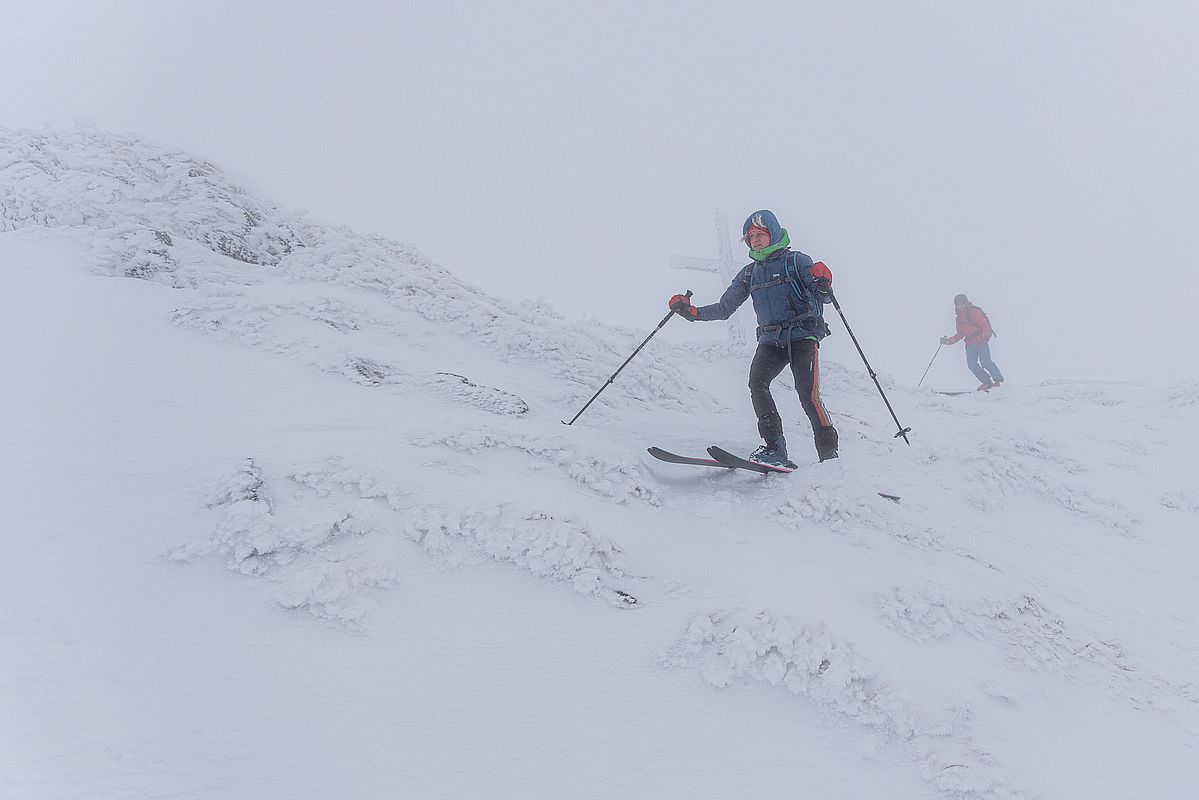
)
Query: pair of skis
[
  {"x": 719, "y": 458},
  {"x": 979, "y": 389},
  {"x": 726, "y": 460}
]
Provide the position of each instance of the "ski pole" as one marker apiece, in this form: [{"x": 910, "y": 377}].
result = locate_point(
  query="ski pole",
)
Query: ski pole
[
  {"x": 665, "y": 319},
  {"x": 930, "y": 365},
  {"x": 902, "y": 430}
]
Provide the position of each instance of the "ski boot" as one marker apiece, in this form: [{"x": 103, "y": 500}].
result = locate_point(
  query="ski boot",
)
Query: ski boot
[
  {"x": 826, "y": 443},
  {"x": 773, "y": 454}
]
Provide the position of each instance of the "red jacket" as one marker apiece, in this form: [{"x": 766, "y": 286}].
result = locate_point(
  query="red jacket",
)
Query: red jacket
[{"x": 973, "y": 326}]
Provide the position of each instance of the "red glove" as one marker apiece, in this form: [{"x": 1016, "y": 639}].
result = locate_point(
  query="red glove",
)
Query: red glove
[
  {"x": 681, "y": 305},
  {"x": 823, "y": 276}
]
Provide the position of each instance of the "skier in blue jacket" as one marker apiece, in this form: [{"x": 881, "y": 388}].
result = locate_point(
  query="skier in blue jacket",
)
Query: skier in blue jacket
[{"x": 789, "y": 292}]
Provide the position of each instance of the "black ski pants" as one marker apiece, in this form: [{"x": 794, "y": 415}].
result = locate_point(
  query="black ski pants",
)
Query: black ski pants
[{"x": 804, "y": 357}]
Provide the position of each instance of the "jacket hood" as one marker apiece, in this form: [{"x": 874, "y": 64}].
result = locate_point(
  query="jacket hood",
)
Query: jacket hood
[{"x": 766, "y": 219}]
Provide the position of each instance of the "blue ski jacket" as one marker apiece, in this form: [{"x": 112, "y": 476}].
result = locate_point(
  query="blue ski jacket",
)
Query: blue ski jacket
[{"x": 786, "y": 302}]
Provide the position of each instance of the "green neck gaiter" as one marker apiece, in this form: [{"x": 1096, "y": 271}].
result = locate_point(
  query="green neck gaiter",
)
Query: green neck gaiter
[{"x": 769, "y": 250}]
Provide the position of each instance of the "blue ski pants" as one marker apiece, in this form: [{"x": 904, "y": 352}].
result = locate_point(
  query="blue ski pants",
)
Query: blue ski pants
[{"x": 978, "y": 359}]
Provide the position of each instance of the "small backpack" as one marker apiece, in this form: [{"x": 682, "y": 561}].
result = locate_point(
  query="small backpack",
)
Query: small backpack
[{"x": 990, "y": 327}]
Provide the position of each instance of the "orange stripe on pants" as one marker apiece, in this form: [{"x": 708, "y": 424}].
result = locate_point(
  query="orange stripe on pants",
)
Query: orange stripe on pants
[{"x": 816, "y": 401}]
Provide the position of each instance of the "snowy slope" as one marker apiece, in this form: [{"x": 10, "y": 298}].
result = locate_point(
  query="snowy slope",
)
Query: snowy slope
[{"x": 289, "y": 512}]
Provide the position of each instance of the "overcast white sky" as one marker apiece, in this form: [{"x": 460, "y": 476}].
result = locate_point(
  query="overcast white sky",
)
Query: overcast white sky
[{"x": 1039, "y": 156}]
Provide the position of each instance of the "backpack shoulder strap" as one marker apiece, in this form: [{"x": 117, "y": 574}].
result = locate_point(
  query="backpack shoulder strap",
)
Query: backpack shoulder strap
[{"x": 792, "y": 272}]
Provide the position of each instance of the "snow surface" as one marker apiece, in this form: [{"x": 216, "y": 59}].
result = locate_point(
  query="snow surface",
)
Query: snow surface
[{"x": 289, "y": 512}]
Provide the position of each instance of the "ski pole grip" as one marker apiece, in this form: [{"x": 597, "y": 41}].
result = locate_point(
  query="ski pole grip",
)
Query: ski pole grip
[{"x": 672, "y": 308}]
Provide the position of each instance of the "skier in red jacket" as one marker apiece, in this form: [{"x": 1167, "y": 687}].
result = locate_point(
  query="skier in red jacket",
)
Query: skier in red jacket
[{"x": 975, "y": 328}]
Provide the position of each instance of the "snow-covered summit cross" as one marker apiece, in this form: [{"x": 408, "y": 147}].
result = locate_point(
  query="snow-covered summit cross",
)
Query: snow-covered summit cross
[{"x": 723, "y": 265}]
